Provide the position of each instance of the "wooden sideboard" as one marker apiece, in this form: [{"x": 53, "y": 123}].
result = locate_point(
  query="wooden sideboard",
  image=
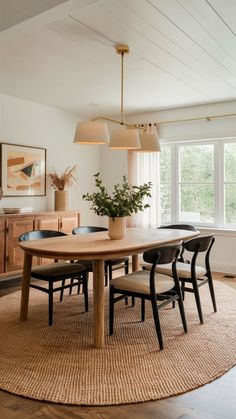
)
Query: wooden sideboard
[{"x": 13, "y": 225}]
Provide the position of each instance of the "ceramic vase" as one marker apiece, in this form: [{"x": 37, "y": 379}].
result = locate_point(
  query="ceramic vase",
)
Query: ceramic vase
[
  {"x": 116, "y": 228},
  {"x": 61, "y": 201}
]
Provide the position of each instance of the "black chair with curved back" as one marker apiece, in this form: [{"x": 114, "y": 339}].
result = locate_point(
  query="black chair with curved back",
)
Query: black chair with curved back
[
  {"x": 110, "y": 265},
  {"x": 188, "y": 227},
  {"x": 194, "y": 274},
  {"x": 152, "y": 286},
  {"x": 54, "y": 272}
]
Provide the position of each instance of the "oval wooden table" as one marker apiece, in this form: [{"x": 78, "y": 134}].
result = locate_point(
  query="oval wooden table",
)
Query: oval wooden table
[{"x": 96, "y": 247}]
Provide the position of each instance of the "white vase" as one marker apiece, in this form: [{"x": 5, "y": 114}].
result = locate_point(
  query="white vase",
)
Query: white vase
[
  {"x": 60, "y": 201},
  {"x": 116, "y": 228}
]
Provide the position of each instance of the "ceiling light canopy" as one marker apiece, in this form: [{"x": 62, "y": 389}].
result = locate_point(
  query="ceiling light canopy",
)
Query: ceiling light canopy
[{"x": 128, "y": 137}]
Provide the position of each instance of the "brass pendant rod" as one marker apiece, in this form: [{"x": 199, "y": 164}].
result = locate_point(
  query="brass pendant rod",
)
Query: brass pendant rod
[
  {"x": 122, "y": 90},
  {"x": 106, "y": 118},
  {"x": 121, "y": 50},
  {"x": 198, "y": 118}
]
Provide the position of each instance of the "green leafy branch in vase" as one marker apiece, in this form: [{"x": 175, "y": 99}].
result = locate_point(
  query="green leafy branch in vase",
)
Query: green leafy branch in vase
[{"x": 125, "y": 199}]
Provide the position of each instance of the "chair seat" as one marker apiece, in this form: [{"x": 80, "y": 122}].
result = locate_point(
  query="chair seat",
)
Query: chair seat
[
  {"x": 89, "y": 263},
  {"x": 117, "y": 261},
  {"x": 183, "y": 269},
  {"x": 139, "y": 282},
  {"x": 56, "y": 271}
]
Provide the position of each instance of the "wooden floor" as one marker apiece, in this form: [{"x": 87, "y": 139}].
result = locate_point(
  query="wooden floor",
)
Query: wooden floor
[{"x": 215, "y": 400}]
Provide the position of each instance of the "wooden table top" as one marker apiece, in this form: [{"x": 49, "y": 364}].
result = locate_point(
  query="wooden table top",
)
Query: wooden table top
[{"x": 100, "y": 246}]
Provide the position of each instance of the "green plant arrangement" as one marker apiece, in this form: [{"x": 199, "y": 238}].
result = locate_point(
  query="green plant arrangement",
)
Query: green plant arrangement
[
  {"x": 122, "y": 202},
  {"x": 66, "y": 179}
]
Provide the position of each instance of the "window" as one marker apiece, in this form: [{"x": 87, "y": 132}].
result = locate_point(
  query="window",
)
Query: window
[{"x": 198, "y": 183}]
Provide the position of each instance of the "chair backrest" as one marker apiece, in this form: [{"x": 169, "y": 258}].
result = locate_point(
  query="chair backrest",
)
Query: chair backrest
[
  {"x": 161, "y": 255},
  {"x": 200, "y": 243},
  {"x": 189, "y": 227},
  {"x": 88, "y": 229},
  {"x": 40, "y": 234}
]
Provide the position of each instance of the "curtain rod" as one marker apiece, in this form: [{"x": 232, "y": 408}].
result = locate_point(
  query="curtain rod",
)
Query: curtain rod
[{"x": 207, "y": 118}]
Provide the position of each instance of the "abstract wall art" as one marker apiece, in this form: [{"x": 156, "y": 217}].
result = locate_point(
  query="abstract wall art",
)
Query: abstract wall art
[{"x": 23, "y": 170}]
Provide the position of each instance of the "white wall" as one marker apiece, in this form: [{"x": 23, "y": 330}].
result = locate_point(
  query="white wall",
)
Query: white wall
[
  {"x": 27, "y": 123},
  {"x": 114, "y": 163}
]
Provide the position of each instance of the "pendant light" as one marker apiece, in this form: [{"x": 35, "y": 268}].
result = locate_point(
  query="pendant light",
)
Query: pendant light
[{"x": 128, "y": 137}]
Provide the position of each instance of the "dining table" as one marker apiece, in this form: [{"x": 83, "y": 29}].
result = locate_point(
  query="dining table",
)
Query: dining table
[{"x": 97, "y": 247}]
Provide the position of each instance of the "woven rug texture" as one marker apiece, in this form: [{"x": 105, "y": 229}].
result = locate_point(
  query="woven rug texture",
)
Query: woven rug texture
[{"x": 60, "y": 364}]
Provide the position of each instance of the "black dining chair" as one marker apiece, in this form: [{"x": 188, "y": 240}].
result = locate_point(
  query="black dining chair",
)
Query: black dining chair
[
  {"x": 150, "y": 285},
  {"x": 192, "y": 273},
  {"x": 111, "y": 264},
  {"x": 57, "y": 271},
  {"x": 188, "y": 227}
]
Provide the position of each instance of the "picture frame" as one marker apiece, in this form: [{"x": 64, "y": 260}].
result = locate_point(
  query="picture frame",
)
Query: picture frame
[{"x": 23, "y": 170}]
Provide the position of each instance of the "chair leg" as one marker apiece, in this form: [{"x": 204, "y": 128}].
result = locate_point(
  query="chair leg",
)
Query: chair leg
[
  {"x": 71, "y": 286},
  {"x": 157, "y": 322},
  {"x": 62, "y": 290},
  {"x": 182, "y": 314},
  {"x": 197, "y": 298},
  {"x": 142, "y": 309},
  {"x": 87, "y": 279},
  {"x": 182, "y": 289},
  {"x": 106, "y": 273},
  {"x": 50, "y": 303},
  {"x": 111, "y": 310},
  {"x": 85, "y": 290},
  {"x": 211, "y": 287},
  {"x": 126, "y": 267},
  {"x": 109, "y": 271},
  {"x": 126, "y": 273}
]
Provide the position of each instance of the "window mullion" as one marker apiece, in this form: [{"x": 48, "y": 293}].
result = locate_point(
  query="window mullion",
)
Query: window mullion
[
  {"x": 219, "y": 183},
  {"x": 175, "y": 183}
]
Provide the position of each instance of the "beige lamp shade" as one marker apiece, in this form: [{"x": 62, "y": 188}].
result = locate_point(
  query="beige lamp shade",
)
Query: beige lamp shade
[
  {"x": 125, "y": 139},
  {"x": 91, "y": 132},
  {"x": 149, "y": 142}
]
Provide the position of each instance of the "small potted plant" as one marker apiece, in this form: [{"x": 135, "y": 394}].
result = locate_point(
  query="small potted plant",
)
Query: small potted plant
[
  {"x": 60, "y": 182},
  {"x": 125, "y": 200}
]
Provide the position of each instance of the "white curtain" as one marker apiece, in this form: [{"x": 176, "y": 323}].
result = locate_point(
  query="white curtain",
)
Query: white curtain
[{"x": 143, "y": 168}]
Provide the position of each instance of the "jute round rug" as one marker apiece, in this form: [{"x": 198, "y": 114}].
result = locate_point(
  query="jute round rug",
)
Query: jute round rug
[{"x": 59, "y": 363}]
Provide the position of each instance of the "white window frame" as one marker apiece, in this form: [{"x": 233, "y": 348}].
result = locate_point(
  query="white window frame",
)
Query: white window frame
[{"x": 219, "y": 181}]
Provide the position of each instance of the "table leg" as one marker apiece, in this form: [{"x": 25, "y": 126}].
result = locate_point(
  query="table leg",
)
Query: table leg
[
  {"x": 135, "y": 263},
  {"x": 25, "y": 286},
  {"x": 98, "y": 303}
]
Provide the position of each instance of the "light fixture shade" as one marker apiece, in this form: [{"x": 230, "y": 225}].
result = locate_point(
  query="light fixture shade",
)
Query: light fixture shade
[
  {"x": 149, "y": 142},
  {"x": 91, "y": 132},
  {"x": 125, "y": 139}
]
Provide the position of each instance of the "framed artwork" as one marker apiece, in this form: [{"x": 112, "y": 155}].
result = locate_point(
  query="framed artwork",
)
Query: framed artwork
[{"x": 23, "y": 170}]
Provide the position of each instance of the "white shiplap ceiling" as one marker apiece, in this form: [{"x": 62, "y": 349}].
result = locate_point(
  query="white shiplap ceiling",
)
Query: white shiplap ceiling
[{"x": 61, "y": 53}]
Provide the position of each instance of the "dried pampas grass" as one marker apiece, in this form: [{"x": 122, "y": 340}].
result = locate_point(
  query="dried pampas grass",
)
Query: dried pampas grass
[{"x": 66, "y": 179}]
